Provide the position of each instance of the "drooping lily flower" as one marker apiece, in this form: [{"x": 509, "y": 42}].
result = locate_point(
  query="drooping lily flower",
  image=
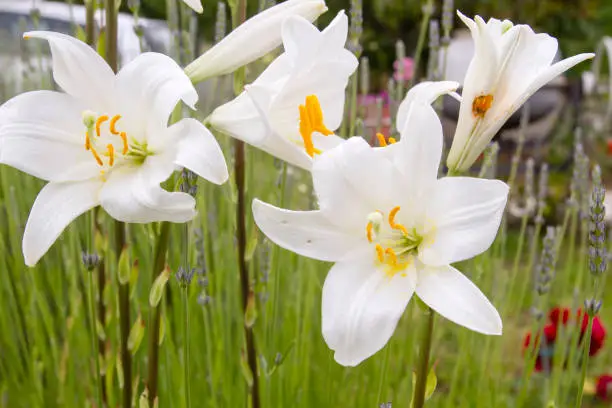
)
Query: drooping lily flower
[
  {"x": 393, "y": 229},
  {"x": 510, "y": 64},
  {"x": 196, "y": 5},
  {"x": 293, "y": 107},
  {"x": 251, "y": 40},
  {"x": 105, "y": 141}
]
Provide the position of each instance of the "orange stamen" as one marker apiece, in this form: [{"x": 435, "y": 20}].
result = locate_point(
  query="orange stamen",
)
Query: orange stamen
[
  {"x": 111, "y": 154},
  {"x": 311, "y": 120},
  {"x": 126, "y": 146},
  {"x": 112, "y": 124},
  {"x": 382, "y": 142},
  {"x": 481, "y": 105},
  {"x": 380, "y": 253},
  {"x": 99, "y": 122},
  {"x": 369, "y": 231},
  {"x": 392, "y": 140},
  {"x": 392, "y": 223},
  {"x": 96, "y": 156}
]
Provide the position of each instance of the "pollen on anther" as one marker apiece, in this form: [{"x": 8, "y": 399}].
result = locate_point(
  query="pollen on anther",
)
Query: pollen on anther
[
  {"x": 395, "y": 225},
  {"x": 382, "y": 142},
  {"x": 369, "y": 231},
  {"x": 392, "y": 256},
  {"x": 112, "y": 124},
  {"x": 481, "y": 105},
  {"x": 380, "y": 253},
  {"x": 392, "y": 140},
  {"x": 123, "y": 136},
  {"x": 96, "y": 156},
  {"x": 111, "y": 154},
  {"x": 99, "y": 121}
]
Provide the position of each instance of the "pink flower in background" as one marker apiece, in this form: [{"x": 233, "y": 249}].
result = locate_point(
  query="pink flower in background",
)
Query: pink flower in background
[{"x": 408, "y": 69}]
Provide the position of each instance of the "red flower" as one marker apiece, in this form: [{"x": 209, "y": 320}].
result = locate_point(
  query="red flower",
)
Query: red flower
[
  {"x": 609, "y": 147},
  {"x": 545, "y": 351},
  {"x": 604, "y": 384}
]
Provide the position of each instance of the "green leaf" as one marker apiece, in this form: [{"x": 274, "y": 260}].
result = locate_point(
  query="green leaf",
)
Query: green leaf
[{"x": 157, "y": 289}]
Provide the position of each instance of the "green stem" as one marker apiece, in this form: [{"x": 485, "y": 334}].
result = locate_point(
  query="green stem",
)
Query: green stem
[
  {"x": 90, "y": 33},
  {"x": 586, "y": 344},
  {"x": 421, "y": 41},
  {"x": 94, "y": 343},
  {"x": 124, "y": 320},
  {"x": 159, "y": 263},
  {"x": 383, "y": 375},
  {"x": 423, "y": 363},
  {"x": 111, "y": 34},
  {"x": 186, "y": 340}
]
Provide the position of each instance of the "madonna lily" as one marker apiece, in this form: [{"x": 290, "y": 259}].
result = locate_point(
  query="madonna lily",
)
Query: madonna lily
[
  {"x": 393, "y": 229},
  {"x": 510, "y": 64},
  {"x": 293, "y": 107},
  {"x": 105, "y": 141},
  {"x": 251, "y": 40}
]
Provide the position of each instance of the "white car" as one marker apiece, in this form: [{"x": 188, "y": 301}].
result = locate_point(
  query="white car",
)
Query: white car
[{"x": 25, "y": 64}]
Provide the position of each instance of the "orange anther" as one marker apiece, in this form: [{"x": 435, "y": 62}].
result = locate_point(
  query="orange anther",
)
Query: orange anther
[
  {"x": 311, "y": 120},
  {"x": 87, "y": 141},
  {"x": 481, "y": 105},
  {"x": 369, "y": 231},
  {"x": 126, "y": 146},
  {"x": 112, "y": 124},
  {"x": 392, "y": 223},
  {"x": 111, "y": 154},
  {"x": 392, "y": 140},
  {"x": 382, "y": 142},
  {"x": 99, "y": 121},
  {"x": 96, "y": 156},
  {"x": 380, "y": 253}
]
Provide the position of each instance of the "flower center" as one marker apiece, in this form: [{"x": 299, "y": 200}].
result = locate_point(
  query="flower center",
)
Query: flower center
[
  {"x": 108, "y": 145},
  {"x": 395, "y": 245},
  {"x": 481, "y": 105},
  {"x": 311, "y": 120}
]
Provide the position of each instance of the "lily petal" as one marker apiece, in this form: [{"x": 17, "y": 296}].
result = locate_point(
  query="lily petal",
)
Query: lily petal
[
  {"x": 79, "y": 70},
  {"x": 149, "y": 88},
  {"x": 465, "y": 214},
  {"x": 129, "y": 196},
  {"x": 42, "y": 133},
  {"x": 426, "y": 92},
  {"x": 196, "y": 5},
  {"x": 199, "y": 151},
  {"x": 307, "y": 233},
  {"x": 251, "y": 40},
  {"x": 361, "y": 307},
  {"x": 56, "y": 206},
  {"x": 450, "y": 293},
  {"x": 351, "y": 181}
]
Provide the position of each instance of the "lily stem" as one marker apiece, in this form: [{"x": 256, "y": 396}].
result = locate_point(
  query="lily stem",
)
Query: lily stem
[
  {"x": 423, "y": 362},
  {"x": 94, "y": 331},
  {"x": 159, "y": 263},
  {"x": 185, "y": 290},
  {"x": 124, "y": 320},
  {"x": 427, "y": 11}
]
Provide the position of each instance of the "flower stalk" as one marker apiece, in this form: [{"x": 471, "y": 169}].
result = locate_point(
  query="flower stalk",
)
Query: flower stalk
[{"x": 423, "y": 363}]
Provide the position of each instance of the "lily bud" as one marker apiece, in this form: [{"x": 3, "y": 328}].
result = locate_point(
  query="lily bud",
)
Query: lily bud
[{"x": 251, "y": 40}]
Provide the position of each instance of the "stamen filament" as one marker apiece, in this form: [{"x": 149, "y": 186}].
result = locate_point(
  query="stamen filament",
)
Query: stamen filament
[
  {"x": 112, "y": 124},
  {"x": 99, "y": 121}
]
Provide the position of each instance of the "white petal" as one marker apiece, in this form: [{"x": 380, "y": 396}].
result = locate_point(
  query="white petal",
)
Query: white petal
[
  {"x": 361, "y": 307},
  {"x": 417, "y": 156},
  {"x": 300, "y": 39},
  {"x": 254, "y": 38},
  {"x": 56, "y": 206},
  {"x": 450, "y": 293},
  {"x": 196, "y": 5},
  {"x": 307, "y": 233},
  {"x": 129, "y": 196},
  {"x": 352, "y": 181},
  {"x": 465, "y": 214},
  {"x": 79, "y": 70},
  {"x": 42, "y": 133},
  {"x": 199, "y": 151},
  {"x": 149, "y": 88},
  {"x": 426, "y": 92}
]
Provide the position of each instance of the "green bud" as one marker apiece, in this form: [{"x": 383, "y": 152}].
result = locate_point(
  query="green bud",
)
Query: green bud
[
  {"x": 157, "y": 290},
  {"x": 136, "y": 335},
  {"x": 124, "y": 267}
]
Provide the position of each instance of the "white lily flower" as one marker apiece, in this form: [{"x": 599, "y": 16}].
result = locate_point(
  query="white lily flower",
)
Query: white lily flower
[
  {"x": 251, "y": 40},
  {"x": 510, "y": 64},
  {"x": 196, "y": 5},
  {"x": 393, "y": 229},
  {"x": 293, "y": 107},
  {"x": 105, "y": 141}
]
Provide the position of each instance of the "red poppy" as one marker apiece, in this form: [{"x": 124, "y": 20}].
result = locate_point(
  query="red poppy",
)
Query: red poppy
[
  {"x": 603, "y": 388},
  {"x": 609, "y": 147},
  {"x": 545, "y": 350}
]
